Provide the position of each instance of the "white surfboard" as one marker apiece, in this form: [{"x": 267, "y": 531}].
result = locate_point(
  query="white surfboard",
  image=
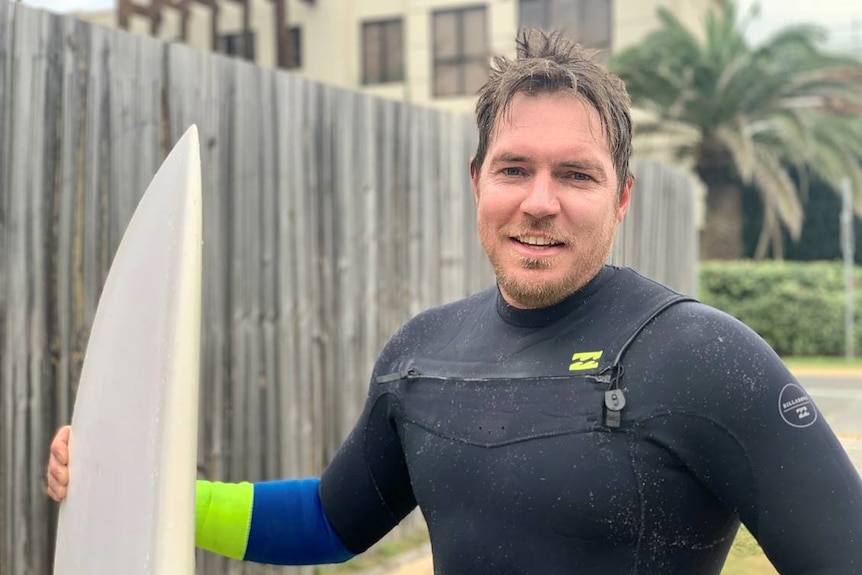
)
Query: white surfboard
[{"x": 130, "y": 504}]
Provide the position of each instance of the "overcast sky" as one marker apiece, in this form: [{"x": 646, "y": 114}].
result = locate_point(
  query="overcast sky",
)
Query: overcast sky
[
  {"x": 842, "y": 17},
  {"x": 70, "y": 5}
]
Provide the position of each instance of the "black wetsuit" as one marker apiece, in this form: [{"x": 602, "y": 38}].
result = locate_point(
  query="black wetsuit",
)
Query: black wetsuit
[{"x": 497, "y": 422}]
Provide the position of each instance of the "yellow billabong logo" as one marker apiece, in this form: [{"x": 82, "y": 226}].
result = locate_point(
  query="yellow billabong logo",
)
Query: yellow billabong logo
[{"x": 585, "y": 360}]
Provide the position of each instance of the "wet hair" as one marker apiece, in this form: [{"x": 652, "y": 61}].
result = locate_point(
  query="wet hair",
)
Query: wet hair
[{"x": 551, "y": 63}]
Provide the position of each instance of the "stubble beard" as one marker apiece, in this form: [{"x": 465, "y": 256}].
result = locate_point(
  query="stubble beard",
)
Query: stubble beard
[{"x": 537, "y": 292}]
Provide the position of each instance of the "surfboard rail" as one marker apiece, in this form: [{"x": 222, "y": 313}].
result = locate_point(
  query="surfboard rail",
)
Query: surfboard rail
[{"x": 133, "y": 448}]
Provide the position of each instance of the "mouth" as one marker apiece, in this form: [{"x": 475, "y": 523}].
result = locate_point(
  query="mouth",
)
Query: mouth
[
  {"x": 538, "y": 243},
  {"x": 537, "y": 247}
]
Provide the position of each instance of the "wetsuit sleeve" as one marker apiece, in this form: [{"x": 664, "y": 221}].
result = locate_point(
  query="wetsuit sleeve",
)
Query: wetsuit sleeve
[
  {"x": 365, "y": 490},
  {"x": 275, "y": 522},
  {"x": 742, "y": 424}
]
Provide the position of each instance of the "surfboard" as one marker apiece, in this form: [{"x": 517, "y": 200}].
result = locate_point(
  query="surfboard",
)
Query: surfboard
[{"x": 130, "y": 504}]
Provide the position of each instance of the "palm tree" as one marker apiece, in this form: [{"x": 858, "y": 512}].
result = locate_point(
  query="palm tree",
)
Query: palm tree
[{"x": 749, "y": 118}]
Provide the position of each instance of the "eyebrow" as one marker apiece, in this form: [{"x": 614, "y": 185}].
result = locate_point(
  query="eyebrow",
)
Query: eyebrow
[
  {"x": 507, "y": 157},
  {"x": 582, "y": 165}
]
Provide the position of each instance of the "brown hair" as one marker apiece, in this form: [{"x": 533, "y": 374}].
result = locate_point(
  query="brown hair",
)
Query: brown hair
[{"x": 552, "y": 63}]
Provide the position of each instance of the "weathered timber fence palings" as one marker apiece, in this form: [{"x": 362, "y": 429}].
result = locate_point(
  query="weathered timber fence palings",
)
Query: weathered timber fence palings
[
  {"x": 659, "y": 236},
  {"x": 330, "y": 217}
]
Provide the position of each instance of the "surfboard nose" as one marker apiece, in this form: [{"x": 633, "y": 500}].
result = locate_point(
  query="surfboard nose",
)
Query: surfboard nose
[{"x": 130, "y": 505}]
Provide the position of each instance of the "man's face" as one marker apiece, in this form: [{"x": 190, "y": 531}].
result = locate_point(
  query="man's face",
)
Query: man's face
[{"x": 547, "y": 199}]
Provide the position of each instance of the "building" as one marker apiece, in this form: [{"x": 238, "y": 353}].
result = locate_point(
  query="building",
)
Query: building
[{"x": 423, "y": 51}]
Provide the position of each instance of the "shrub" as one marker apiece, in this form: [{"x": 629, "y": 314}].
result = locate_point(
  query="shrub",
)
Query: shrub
[{"x": 798, "y": 307}]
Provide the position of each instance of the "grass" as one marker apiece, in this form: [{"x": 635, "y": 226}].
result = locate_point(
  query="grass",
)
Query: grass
[{"x": 746, "y": 557}]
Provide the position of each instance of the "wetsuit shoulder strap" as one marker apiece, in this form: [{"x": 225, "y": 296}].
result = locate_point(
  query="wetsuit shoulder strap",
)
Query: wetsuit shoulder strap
[
  {"x": 652, "y": 300},
  {"x": 672, "y": 299}
]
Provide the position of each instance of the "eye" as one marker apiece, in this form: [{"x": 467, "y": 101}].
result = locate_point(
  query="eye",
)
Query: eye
[
  {"x": 579, "y": 176},
  {"x": 512, "y": 171}
]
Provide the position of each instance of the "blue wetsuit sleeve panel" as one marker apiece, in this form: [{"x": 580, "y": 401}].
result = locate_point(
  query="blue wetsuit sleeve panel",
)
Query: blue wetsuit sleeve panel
[
  {"x": 289, "y": 526},
  {"x": 743, "y": 425}
]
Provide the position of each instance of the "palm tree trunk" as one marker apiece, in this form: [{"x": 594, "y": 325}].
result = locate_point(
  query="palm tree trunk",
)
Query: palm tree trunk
[
  {"x": 766, "y": 235},
  {"x": 721, "y": 236}
]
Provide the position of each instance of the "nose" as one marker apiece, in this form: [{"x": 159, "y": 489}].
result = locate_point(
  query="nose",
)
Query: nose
[{"x": 541, "y": 200}]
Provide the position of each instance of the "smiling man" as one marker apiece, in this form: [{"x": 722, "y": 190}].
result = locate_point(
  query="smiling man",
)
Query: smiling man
[
  {"x": 548, "y": 196},
  {"x": 574, "y": 418}
]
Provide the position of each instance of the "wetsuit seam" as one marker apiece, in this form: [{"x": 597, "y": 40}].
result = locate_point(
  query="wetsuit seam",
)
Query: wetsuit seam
[
  {"x": 531, "y": 437},
  {"x": 638, "y": 424},
  {"x": 630, "y": 437},
  {"x": 366, "y": 454}
]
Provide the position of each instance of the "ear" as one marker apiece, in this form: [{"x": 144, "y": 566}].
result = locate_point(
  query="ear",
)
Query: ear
[
  {"x": 474, "y": 179},
  {"x": 625, "y": 198}
]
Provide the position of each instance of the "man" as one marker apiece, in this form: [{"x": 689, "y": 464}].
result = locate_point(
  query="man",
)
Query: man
[{"x": 576, "y": 417}]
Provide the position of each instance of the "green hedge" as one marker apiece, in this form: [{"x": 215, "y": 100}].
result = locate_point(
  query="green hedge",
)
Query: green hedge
[{"x": 798, "y": 307}]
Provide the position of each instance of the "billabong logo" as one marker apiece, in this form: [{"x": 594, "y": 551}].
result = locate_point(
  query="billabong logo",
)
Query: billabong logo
[
  {"x": 583, "y": 360},
  {"x": 795, "y": 407}
]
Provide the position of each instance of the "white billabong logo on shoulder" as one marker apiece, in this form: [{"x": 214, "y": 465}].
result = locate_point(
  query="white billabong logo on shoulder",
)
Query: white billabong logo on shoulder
[{"x": 795, "y": 407}]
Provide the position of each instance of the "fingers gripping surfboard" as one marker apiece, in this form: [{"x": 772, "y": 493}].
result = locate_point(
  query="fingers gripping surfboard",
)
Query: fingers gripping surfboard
[{"x": 130, "y": 504}]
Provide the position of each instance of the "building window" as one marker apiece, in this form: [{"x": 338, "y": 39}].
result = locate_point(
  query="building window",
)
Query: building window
[
  {"x": 460, "y": 51},
  {"x": 382, "y": 52},
  {"x": 588, "y": 22},
  {"x": 234, "y": 44},
  {"x": 294, "y": 38}
]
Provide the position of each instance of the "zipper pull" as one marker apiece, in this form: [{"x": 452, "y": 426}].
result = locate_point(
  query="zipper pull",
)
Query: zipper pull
[{"x": 615, "y": 401}]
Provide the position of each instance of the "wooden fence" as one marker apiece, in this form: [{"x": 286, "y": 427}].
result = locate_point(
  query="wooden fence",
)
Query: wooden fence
[{"x": 330, "y": 217}]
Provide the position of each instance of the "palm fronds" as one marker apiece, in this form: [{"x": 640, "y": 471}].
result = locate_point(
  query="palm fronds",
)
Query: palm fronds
[{"x": 767, "y": 110}]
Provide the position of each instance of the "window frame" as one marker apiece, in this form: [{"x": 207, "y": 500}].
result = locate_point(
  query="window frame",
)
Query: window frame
[
  {"x": 235, "y": 38},
  {"x": 296, "y": 46},
  {"x": 382, "y": 26},
  {"x": 578, "y": 36},
  {"x": 461, "y": 59}
]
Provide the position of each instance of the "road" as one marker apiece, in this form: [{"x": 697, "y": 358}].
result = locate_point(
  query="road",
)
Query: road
[{"x": 838, "y": 395}]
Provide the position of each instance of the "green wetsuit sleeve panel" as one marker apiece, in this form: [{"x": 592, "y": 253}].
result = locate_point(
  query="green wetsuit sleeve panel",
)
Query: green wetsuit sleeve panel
[{"x": 223, "y": 517}]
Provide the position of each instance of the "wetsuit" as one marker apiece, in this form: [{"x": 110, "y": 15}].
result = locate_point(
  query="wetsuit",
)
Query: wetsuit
[{"x": 622, "y": 431}]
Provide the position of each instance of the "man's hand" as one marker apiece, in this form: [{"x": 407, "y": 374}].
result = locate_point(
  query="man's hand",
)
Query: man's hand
[{"x": 58, "y": 465}]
